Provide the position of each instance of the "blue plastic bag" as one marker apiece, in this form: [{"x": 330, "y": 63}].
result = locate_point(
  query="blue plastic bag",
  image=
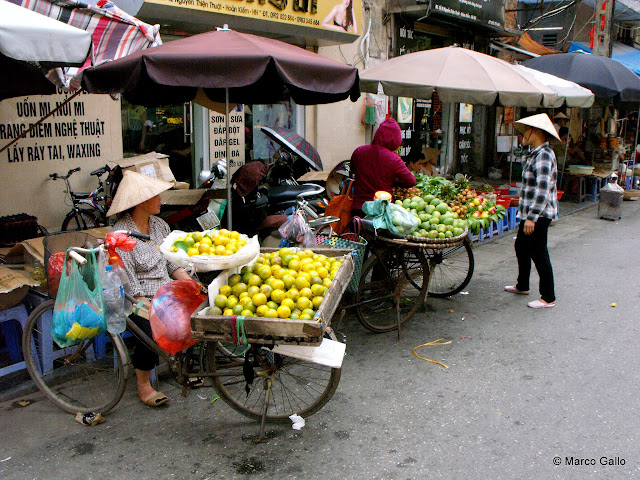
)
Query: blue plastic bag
[{"x": 78, "y": 313}]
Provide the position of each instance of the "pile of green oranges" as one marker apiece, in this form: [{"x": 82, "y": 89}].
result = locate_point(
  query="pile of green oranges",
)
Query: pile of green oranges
[
  {"x": 282, "y": 284},
  {"x": 214, "y": 243}
]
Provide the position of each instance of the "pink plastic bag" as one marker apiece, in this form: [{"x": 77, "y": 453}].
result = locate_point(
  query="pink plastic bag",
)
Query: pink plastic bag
[{"x": 171, "y": 311}]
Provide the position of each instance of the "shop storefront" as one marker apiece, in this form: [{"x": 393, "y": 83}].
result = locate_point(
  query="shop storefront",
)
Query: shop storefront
[
  {"x": 191, "y": 134},
  {"x": 463, "y": 133}
]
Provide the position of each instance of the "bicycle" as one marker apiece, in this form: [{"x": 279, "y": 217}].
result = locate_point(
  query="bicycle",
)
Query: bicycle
[
  {"x": 92, "y": 376},
  {"x": 89, "y": 210}
]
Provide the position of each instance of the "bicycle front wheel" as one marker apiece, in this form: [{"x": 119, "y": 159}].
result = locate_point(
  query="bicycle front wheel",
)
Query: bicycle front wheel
[
  {"x": 86, "y": 377},
  {"x": 451, "y": 269},
  {"x": 297, "y": 386},
  {"x": 405, "y": 284},
  {"x": 83, "y": 219}
]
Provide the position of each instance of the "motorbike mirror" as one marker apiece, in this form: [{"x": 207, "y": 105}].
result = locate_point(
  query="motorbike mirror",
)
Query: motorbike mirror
[{"x": 204, "y": 176}]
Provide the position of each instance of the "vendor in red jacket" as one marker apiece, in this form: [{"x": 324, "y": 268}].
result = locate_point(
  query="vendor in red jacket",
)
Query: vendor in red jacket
[{"x": 378, "y": 166}]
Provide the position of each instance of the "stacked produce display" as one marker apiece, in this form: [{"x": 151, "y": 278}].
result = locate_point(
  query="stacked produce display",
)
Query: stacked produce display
[
  {"x": 445, "y": 208},
  {"x": 282, "y": 284}
]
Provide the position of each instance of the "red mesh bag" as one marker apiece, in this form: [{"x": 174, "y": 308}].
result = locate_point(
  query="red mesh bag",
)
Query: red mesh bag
[
  {"x": 171, "y": 310},
  {"x": 122, "y": 241},
  {"x": 54, "y": 272}
]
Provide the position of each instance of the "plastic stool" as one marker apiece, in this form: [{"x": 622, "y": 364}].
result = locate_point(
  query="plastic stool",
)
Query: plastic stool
[
  {"x": 594, "y": 184},
  {"x": 512, "y": 217},
  {"x": 100, "y": 348},
  {"x": 13, "y": 337}
]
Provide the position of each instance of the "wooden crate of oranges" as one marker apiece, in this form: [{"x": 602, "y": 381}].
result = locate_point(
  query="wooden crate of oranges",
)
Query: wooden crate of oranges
[{"x": 287, "y": 296}]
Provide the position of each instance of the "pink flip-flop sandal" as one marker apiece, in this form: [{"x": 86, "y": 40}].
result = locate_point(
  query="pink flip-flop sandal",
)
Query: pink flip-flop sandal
[
  {"x": 513, "y": 289},
  {"x": 540, "y": 304}
]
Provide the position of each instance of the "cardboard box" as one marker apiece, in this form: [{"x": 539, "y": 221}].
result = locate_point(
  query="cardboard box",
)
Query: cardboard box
[
  {"x": 152, "y": 164},
  {"x": 14, "y": 285},
  {"x": 182, "y": 197},
  {"x": 315, "y": 176}
]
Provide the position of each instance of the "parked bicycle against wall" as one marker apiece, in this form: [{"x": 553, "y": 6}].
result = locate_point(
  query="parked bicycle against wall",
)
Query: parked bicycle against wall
[{"x": 89, "y": 210}]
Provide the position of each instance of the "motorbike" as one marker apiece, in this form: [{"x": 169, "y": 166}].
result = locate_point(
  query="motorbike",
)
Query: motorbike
[{"x": 262, "y": 196}]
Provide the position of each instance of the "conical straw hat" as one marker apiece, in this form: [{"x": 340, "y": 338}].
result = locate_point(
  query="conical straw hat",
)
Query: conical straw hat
[
  {"x": 541, "y": 121},
  {"x": 430, "y": 153},
  {"x": 560, "y": 116},
  {"x": 134, "y": 189}
]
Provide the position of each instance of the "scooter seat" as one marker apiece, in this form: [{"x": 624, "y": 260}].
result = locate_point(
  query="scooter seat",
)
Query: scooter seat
[{"x": 285, "y": 193}]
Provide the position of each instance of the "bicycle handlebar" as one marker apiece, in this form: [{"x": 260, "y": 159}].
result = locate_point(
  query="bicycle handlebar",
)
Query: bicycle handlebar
[{"x": 56, "y": 176}]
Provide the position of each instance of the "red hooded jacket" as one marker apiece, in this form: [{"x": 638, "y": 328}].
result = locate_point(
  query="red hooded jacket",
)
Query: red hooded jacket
[{"x": 377, "y": 166}]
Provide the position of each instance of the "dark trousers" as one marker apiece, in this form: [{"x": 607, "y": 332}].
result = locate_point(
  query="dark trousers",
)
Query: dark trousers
[
  {"x": 534, "y": 247},
  {"x": 143, "y": 357}
]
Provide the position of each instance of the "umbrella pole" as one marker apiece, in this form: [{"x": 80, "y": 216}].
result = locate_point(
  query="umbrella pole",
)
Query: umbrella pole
[
  {"x": 510, "y": 154},
  {"x": 566, "y": 150},
  {"x": 633, "y": 154},
  {"x": 226, "y": 146}
]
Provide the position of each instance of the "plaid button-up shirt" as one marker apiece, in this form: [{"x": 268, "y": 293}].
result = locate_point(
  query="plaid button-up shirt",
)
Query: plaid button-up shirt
[
  {"x": 539, "y": 196},
  {"x": 146, "y": 267}
]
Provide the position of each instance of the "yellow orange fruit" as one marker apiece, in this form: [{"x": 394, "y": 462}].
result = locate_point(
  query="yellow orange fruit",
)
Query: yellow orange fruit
[
  {"x": 259, "y": 299},
  {"x": 193, "y": 251},
  {"x": 287, "y": 302},
  {"x": 271, "y": 313},
  {"x": 277, "y": 296},
  {"x": 238, "y": 288},
  {"x": 266, "y": 289},
  {"x": 220, "y": 301},
  {"x": 293, "y": 294},
  {"x": 252, "y": 290},
  {"x": 225, "y": 290},
  {"x": 303, "y": 303},
  {"x": 317, "y": 290},
  {"x": 316, "y": 301},
  {"x": 283, "y": 312}
]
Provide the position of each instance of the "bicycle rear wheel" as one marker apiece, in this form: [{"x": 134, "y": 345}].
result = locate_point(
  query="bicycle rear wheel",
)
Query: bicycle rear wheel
[
  {"x": 78, "y": 378},
  {"x": 451, "y": 270},
  {"x": 83, "y": 219},
  {"x": 406, "y": 283},
  {"x": 298, "y": 386}
]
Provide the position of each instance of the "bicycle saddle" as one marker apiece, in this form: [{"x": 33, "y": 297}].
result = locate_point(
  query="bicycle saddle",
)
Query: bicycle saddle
[{"x": 100, "y": 171}]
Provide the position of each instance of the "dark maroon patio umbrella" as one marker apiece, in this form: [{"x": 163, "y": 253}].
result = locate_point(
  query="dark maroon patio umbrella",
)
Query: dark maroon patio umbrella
[
  {"x": 253, "y": 69},
  {"x": 229, "y": 67}
]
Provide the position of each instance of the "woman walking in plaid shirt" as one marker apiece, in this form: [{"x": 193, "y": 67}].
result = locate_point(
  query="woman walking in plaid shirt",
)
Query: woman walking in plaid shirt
[
  {"x": 137, "y": 200},
  {"x": 538, "y": 207}
]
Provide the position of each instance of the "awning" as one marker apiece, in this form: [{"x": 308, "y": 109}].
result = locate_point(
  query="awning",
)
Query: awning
[
  {"x": 114, "y": 33},
  {"x": 628, "y": 56}
]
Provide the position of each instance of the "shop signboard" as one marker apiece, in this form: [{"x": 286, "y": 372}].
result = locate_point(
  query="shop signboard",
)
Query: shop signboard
[
  {"x": 465, "y": 137},
  {"x": 298, "y": 13},
  {"x": 85, "y": 133},
  {"x": 218, "y": 137},
  {"x": 485, "y": 12}
]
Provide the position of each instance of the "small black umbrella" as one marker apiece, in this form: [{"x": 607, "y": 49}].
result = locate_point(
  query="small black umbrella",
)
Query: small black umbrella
[
  {"x": 606, "y": 78},
  {"x": 295, "y": 144}
]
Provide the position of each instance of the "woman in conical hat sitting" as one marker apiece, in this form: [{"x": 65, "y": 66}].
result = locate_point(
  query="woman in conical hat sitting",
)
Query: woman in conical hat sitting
[{"x": 137, "y": 201}]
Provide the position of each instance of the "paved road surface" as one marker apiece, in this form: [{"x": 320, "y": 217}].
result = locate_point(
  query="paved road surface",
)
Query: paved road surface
[{"x": 524, "y": 389}]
